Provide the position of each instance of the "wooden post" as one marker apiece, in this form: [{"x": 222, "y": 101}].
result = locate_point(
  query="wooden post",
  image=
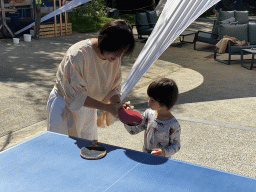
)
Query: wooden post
[
  {"x": 4, "y": 25},
  {"x": 60, "y": 19},
  {"x": 37, "y": 18},
  {"x": 66, "y": 19},
  {"x": 55, "y": 19},
  {"x": 66, "y": 23}
]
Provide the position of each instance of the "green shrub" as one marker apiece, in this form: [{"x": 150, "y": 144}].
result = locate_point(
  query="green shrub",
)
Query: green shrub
[
  {"x": 86, "y": 24},
  {"x": 94, "y": 8}
]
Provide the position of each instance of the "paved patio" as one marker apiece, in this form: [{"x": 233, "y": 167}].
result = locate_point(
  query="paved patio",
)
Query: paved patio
[{"x": 216, "y": 108}]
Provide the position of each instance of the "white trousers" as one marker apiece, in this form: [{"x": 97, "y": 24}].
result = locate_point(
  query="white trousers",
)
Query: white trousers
[{"x": 85, "y": 118}]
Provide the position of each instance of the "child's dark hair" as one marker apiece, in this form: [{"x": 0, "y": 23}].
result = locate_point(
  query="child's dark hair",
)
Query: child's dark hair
[
  {"x": 116, "y": 36},
  {"x": 165, "y": 91}
]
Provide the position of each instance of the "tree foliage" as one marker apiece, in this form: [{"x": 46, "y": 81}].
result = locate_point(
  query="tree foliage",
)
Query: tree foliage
[{"x": 94, "y": 8}]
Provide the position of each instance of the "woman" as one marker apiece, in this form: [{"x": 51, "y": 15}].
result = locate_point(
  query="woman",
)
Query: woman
[{"x": 89, "y": 78}]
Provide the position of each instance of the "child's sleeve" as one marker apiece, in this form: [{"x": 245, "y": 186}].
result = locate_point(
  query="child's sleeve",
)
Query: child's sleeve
[
  {"x": 174, "y": 141},
  {"x": 138, "y": 128}
]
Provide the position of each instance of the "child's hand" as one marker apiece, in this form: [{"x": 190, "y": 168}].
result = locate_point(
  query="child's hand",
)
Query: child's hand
[
  {"x": 127, "y": 105},
  {"x": 158, "y": 151}
]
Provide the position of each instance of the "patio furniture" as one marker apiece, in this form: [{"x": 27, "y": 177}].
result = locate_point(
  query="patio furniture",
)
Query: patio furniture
[
  {"x": 245, "y": 32},
  {"x": 145, "y": 22},
  {"x": 205, "y": 37},
  {"x": 152, "y": 18},
  {"x": 184, "y": 34},
  {"x": 142, "y": 24},
  {"x": 223, "y": 18},
  {"x": 250, "y": 51}
]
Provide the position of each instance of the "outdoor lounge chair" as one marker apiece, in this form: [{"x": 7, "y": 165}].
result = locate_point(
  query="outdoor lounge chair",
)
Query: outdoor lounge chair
[
  {"x": 145, "y": 22},
  {"x": 205, "y": 37},
  {"x": 245, "y": 32},
  {"x": 242, "y": 31},
  {"x": 223, "y": 18},
  {"x": 152, "y": 18}
]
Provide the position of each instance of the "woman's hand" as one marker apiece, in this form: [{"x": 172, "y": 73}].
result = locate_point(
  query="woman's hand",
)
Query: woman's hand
[
  {"x": 158, "y": 151},
  {"x": 113, "y": 108}
]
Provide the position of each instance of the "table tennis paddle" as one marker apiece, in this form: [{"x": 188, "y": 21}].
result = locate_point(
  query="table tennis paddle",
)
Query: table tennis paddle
[
  {"x": 93, "y": 151},
  {"x": 130, "y": 117}
]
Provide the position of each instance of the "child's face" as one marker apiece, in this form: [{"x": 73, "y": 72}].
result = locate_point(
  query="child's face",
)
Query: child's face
[{"x": 153, "y": 104}]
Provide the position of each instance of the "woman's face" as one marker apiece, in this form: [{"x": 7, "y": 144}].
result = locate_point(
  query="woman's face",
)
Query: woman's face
[{"x": 112, "y": 56}]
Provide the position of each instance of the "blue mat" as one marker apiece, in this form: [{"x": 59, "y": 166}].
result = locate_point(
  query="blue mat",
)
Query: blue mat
[{"x": 52, "y": 162}]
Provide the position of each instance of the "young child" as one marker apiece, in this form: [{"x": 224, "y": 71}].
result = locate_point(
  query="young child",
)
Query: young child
[{"x": 162, "y": 130}]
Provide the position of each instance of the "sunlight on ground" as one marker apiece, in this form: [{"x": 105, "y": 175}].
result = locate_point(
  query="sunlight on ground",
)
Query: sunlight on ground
[{"x": 187, "y": 79}]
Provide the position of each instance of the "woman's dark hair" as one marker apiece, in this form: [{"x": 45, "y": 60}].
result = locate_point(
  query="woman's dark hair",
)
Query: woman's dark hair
[
  {"x": 116, "y": 36},
  {"x": 165, "y": 91}
]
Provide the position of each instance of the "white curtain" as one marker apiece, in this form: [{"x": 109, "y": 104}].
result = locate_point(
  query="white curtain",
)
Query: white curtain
[
  {"x": 160, "y": 6},
  {"x": 177, "y": 15},
  {"x": 58, "y": 11}
]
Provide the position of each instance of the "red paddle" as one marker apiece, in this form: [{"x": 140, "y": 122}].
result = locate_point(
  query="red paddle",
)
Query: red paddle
[{"x": 130, "y": 117}]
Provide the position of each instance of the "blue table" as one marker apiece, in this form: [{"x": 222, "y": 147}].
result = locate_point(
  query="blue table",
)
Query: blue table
[{"x": 52, "y": 162}]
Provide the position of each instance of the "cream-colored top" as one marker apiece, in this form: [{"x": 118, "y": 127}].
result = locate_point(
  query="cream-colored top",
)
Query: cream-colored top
[{"x": 82, "y": 73}]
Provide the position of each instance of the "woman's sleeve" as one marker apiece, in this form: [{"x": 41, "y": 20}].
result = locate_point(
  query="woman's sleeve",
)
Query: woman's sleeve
[
  {"x": 74, "y": 85},
  {"x": 137, "y": 129}
]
